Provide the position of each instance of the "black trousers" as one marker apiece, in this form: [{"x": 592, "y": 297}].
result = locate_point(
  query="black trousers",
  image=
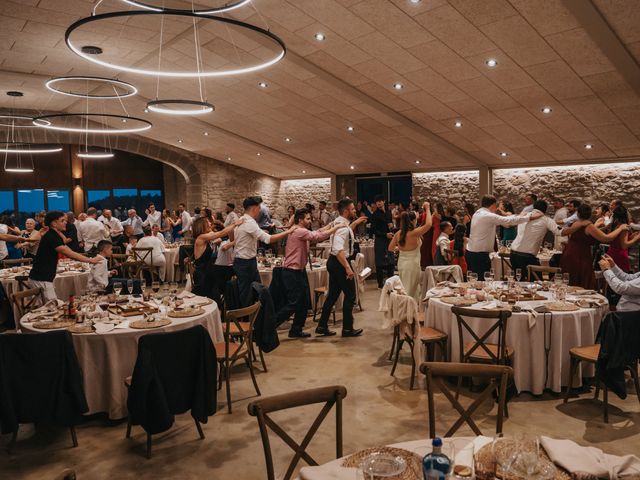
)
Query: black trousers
[
  {"x": 522, "y": 261},
  {"x": 297, "y": 286},
  {"x": 247, "y": 272},
  {"x": 478, "y": 262},
  {"x": 339, "y": 283}
]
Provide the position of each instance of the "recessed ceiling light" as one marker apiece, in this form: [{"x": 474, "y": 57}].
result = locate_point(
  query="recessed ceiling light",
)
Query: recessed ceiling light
[
  {"x": 124, "y": 120},
  {"x": 146, "y": 110},
  {"x": 492, "y": 62},
  {"x": 457, "y": 124},
  {"x": 588, "y": 146},
  {"x": 304, "y": 171},
  {"x": 263, "y": 84},
  {"x": 350, "y": 128},
  {"x": 319, "y": 36},
  {"x": 352, "y": 167},
  {"x": 258, "y": 154},
  {"x": 398, "y": 86},
  {"x": 287, "y": 139},
  {"x": 228, "y": 159},
  {"x": 180, "y": 140},
  {"x": 504, "y": 154},
  {"x": 415, "y": 1},
  {"x": 546, "y": 110},
  {"x": 417, "y": 161},
  {"x": 206, "y": 134}
]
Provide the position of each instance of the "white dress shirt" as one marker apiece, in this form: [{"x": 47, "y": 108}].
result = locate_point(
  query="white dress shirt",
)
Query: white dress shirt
[
  {"x": 4, "y": 252},
  {"x": 247, "y": 236},
  {"x": 342, "y": 239},
  {"x": 527, "y": 209},
  {"x": 160, "y": 237},
  {"x": 157, "y": 257},
  {"x": 136, "y": 223},
  {"x": 627, "y": 285},
  {"x": 443, "y": 243},
  {"x": 231, "y": 218},
  {"x": 99, "y": 275},
  {"x": 325, "y": 218},
  {"x": 571, "y": 219},
  {"x": 483, "y": 228},
  {"x": 154, "y": 218},
  {"x": 113, "y": 225},
  {"x": 225, "y": 257},
  {"x": 561, "y": 214},
  {"x": 91, "y": 232},
  {"x": 185, "y": 218},
  {"x": 531, "y": 234}
]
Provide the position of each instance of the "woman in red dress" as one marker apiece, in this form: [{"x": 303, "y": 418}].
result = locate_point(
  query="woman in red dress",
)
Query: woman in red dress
[
  {"x": 619, "y": 247},
  {"x": 427, "y": 249},
  {"x": 577, "y": 258},
  {"x": 459, "y": 245}
]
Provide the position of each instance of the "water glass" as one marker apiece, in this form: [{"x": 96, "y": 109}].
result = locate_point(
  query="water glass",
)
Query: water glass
[
  {"x": 155, "y": 286},
  {"x": 565, "y": 279},
  {"x": 117, "y": 288},
  {"x": 518, "y": 274}
]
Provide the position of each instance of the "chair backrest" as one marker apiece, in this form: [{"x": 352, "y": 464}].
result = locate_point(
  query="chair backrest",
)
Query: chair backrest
[
  {"x": 16, "y": 262},
  {"x": 26, "y": 300},
  {"x": 540, "y": 272},
  {"x": 261, "y": 409},
  {"x": 497, "y": 376},
  {"x": 480, "y": 340},
  {"x": 450, "y": 255},
  {"x": 505, "y": 260},
  {"x": 189, "y": 267},
  {"x": 316, "y": 251},
  {"x": 143, "y": 254},
  {"x": 116, "y": 259},
  {"x": 244, "y": 320}
]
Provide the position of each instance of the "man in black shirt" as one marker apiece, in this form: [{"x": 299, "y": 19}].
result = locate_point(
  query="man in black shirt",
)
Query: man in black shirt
[
  {"x": 381, "y": 225},
  {"x": 51, "y": 244}
]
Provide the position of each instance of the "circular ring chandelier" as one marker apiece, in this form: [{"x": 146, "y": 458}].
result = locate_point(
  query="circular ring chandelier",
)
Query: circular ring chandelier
[
  {"x": 26, "y": 148},
  {"x": 56, "y": 85},
  {"x": 274, "y": 39},
  {"x": 50, "y": 119},
  {"x": 95, "y": 154},
  {"x": 188, "y": 107},
  {"x": 16, "y": 121},
  {"x": 208, "y": 11}
]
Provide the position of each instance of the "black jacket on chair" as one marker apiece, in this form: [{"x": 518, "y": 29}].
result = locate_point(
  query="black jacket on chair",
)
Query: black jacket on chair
[
  {"x": 40, "y": 380},
  {"x": 278, "y": 289},
  {"x": 174, "y": 372},
  {"x": 265, "y": 331}
]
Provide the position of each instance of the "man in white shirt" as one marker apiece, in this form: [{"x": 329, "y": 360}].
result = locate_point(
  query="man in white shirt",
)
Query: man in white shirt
[
  {"x": 185, "y": 219},
  {"x": 525, "y": 247},
  {"x": 572, "y": 214},
  {"x": 529, "y": 199},
  {"x": 156, "y": 258},
  {"x": 90, "y": 232},
  {"x": 246, "y": 238},
  {"x": 99, "y": 274},
  {"x": 154, "y": 217},
  {"x": 135, "y": 222},
  {"x": 625, "y": 284},
  {"x": 114, "y": 226},
  {"x": 324, "y": 218},
  {"x": 232, "y": 216},
  {"x": 443, "y": 243},
  {"x": 560, "y": 211},
  {"x": 341, "y": 276},
  {"x": 483, "y": 234},
  {"x": 155, "y": 231}
]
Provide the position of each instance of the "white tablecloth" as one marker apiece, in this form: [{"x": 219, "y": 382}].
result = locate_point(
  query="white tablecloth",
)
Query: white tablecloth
[
  {"x": 568, "y": 330},
  {"x": 366, "y": 249},
  {"x": 496, "y": 263},
  {"x": 171, "y": 256},
  {"x": 107, "y": 359},
  {"x": 439, "y": 273}
]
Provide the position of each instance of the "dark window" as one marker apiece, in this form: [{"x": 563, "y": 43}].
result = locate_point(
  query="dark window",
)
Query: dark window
[
  {"x": 58, "y": 200},
  {"x": 30, "y": 202},
  {"x": 98, "y": 198},
  {"x": 151, "y": 196},
  {"x": 7, "y": 203}
]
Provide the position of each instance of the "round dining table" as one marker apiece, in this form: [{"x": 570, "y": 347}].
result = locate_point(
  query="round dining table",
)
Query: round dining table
[
  {"x": 106, "y": 359},
  {"x": 171, "y": 255},
  {"x": 544, "y": 258},
  {"x": 366, "y": 248},
  {"x": 541, "y": 342}
]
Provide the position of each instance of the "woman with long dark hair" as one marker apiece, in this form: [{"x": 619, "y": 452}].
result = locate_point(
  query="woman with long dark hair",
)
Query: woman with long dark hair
[
  {"x": 459, "y": 246},
  {"x": 619, "y": 246},
  {"x": 469, "y": 210},
  {"x": 507, "y": 233},
  {"x": 407, "y": 241},
  {"x": 428, "y": 247}
]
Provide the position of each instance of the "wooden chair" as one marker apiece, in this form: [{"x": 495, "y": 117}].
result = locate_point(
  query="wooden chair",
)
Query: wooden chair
[
  {"x": 230, "y": 351},
  {"x": 26, "y": 300},
  {"x": 145, "y": 255},
  {"x": 16, "y": 262},
  {"x": 318, "y": 293},
  {"x": 261, "y": 409},
  {"x": 589, "y": 354},
  {"x": 316, "y": 251},
  {"x": 539, "y": 272},
  {"x": 497, "y": 376},
  {"x": 505, "y": 263},
  {"x": 357, "y": 265}
]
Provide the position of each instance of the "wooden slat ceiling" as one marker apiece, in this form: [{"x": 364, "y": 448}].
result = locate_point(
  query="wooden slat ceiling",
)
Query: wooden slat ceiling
[{"x": 437, "y": 49}]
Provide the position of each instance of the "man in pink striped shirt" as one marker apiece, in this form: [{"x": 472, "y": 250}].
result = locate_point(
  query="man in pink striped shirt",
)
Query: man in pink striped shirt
[{"x": 294, "y": 273}]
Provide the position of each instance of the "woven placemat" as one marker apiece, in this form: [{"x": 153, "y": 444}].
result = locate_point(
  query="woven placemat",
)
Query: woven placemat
[
  {"x": 485, "y": 460},
  {"x": 185, "y": 313},
  {"x": 50, "y": 325},
  {"x": 562, "y": 307},
  {"x": 80, "y": 328},
  {"x": 414, "y": 463},
  {"x": 144, "y": 325},
  {"x": 202, "y": 303},
  {"x": 458, "y": 301}
]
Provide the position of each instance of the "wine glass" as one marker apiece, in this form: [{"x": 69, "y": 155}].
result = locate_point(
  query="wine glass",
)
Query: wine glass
[
  {"x": 565, "y": 279},
  {"x": 165, "y": 289},
  {"x": 518, "y": 274},
  {"x": 130, "y": 286},
  {"x": 173, "y": 287},
  {"x": 472, "y": 277},
  {"x": 155, "y": 286},
  {"x": 117, "y": 288}
]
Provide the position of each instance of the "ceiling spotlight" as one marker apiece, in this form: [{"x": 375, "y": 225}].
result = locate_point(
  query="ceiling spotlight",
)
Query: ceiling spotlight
[
  {"x": 206, "y": 134},
  {"x": 263, "y": 85},
  {"x": 287, "y": 139},
  {"x": 588, "y": 146},
  {"x": 124, "y": 120},
  {"x": 415, "y": 2},
  {"x": 492, "y": 62},
  {"x": 546, "y": 110},
  {"x": 398, "y": 86},
  {"x": 228, "y": 159},
  {"x": 146, "y": 110},
  {"x": 304, "y": 171},
  {"x": 180, "y": 140},
  {"x": 417, "y": 161},
  {"x": 504, "y": 154},
  {"x": 350, "y": 128},
  {"x": 258, "y": 154},
  {"x": 352, "y": 167},
  {"x": 457, "y": 124},
  {"x": 319, "y": 36}
]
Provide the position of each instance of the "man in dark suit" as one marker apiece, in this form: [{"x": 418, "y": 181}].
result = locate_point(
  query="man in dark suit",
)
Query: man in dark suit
[
  {"x": 71, "y": 233},
  {"x": 381, "y": 226}
]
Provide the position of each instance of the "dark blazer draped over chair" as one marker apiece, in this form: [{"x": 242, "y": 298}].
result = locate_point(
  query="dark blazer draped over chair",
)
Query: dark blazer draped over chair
[{"x": 265, "y": 331}]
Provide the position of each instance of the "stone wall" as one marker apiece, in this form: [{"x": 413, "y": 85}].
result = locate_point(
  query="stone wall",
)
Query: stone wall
[
  {"x": 299, "y": 192},
  {"x": 449, "y": 188},
  {"x": 589, "y": 183}
]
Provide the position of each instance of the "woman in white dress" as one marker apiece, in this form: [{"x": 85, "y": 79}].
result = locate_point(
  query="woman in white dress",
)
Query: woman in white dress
[{"x": 407, "y": 241}]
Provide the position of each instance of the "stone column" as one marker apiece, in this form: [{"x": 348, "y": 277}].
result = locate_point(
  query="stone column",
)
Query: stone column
[{"x": 486, "y": 181}]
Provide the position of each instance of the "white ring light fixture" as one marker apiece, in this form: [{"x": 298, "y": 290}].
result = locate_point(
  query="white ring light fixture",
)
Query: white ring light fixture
[
  {"x": 11, "y": 121},
  {"x": 209, "y": 11},
  {"x": 95, "y": 155},
  {"x": 190, "y": 107},
  {"x": 179, "y": 13},
  {"x": 26, "y": 148},
  {"x": 50, "y": 119},
  {"x": 54, "y": 86}
]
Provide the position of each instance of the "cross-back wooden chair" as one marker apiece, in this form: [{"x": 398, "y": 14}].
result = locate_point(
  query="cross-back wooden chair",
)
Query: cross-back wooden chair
[
  {"x": 450, "y": 255},
  {"x": 541, "y": 272},
  {"x": 316, "y": 251},
  {"x": 237, "y": 345},
  {"x": 261, "y": 409},
  {"x": 15, "y": 262},
  {"x": 145, "y": 255},
  {"x": 497, "y": 376},
  {"x": 505, "y": 263},
  {"x": 26, "y": 300}
]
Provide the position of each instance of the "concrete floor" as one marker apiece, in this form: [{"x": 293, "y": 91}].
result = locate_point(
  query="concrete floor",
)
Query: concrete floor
[{"x": 379, "y": 409}]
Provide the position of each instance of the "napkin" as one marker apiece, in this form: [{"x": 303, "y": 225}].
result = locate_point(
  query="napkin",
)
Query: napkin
[
  {"x": 589, "y": 461},
  {"x": 437, "y": 292},
  {"x": 124, "y": 324},
  {"x": 328, "y": 472},
  {"x": 50, "y": 306},
  {"x": 185, "y": 294},
  {"x": 103, "y": 327}
]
